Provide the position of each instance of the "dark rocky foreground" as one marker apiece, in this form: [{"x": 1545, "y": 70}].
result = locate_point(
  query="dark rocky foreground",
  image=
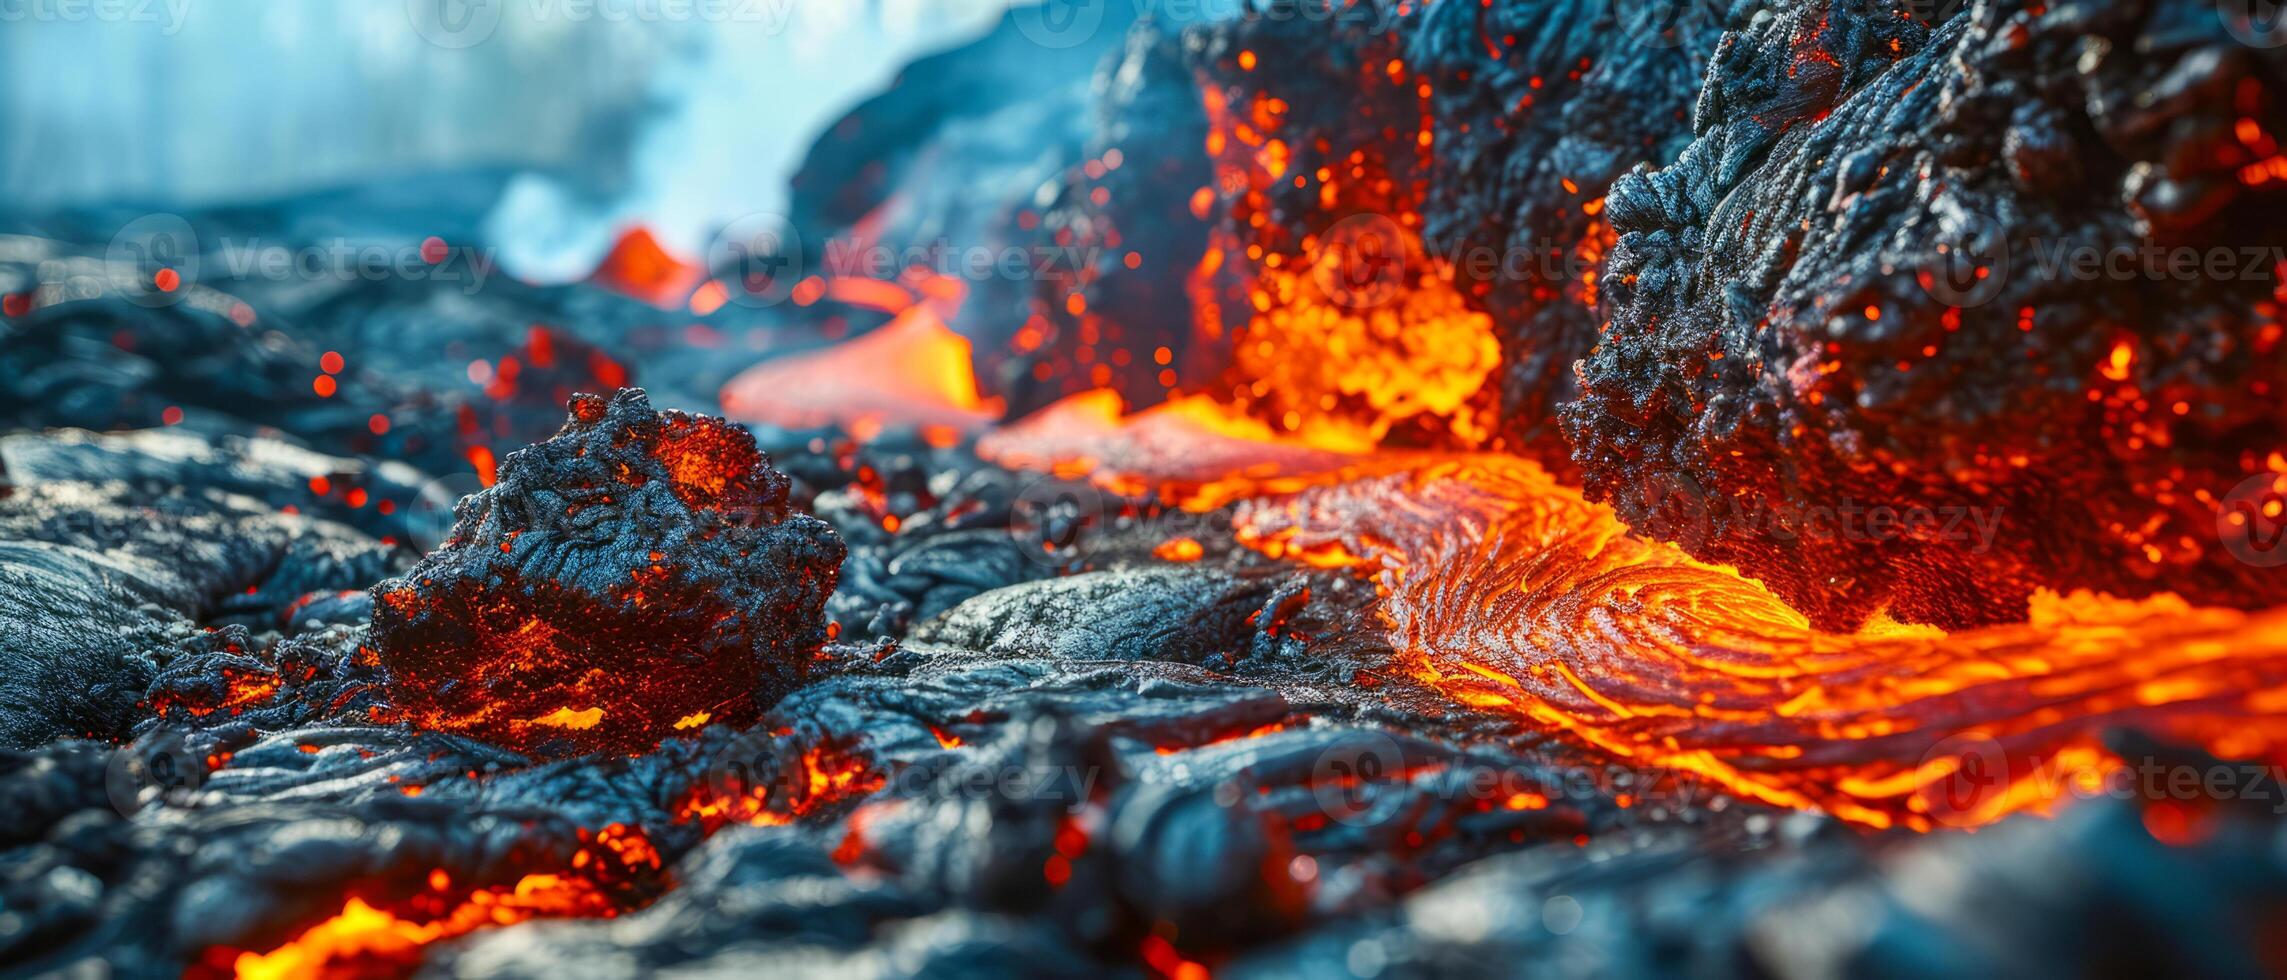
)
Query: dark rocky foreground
[{"x": 1104, "y": 761}]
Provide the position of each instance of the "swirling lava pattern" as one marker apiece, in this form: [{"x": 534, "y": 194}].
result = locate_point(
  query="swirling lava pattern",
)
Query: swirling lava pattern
[{"x": 1509, "y": 592}]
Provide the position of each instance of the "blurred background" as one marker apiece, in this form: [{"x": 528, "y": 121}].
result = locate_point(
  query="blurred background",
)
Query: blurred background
[{"x": 563, "y": 122}]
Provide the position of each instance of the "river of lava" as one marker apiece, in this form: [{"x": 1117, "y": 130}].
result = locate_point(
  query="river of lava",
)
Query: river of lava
[{"x": 1506, "y": 591}]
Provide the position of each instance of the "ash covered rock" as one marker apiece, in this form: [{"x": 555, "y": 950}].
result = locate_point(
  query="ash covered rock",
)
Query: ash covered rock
[
  {"x": 1846, "y": 299},
  {"x": 639, "y": 569},
  {"x": 1123, "y": 223},
  {"x": 1073, "y": 811},
  {"x": 267, "y": 846},
  {"x": 278, "y": 473},
  {"x": 927, "y": 528}
]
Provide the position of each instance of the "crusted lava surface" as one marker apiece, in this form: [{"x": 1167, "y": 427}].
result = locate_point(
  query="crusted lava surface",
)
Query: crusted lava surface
[
  {"x": 637, "y": 571},
  {"x": 1855, "y": 294}
]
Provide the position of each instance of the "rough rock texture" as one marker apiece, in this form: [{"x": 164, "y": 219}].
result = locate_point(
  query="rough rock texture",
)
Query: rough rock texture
[
  {"x": 1537, "y": 108},
  {"x": 1801, "y": 331},
  {"x": 1809, "y": 902},
  {"x": 112, "y": 573},
  {"x": 638, "y": 570}
]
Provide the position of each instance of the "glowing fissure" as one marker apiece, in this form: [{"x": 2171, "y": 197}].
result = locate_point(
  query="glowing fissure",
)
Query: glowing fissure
[{"x": 614, "y": 870}]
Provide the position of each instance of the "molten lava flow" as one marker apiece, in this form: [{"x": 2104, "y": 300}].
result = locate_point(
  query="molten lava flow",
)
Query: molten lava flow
[
  {"x": 915, "y": 371},
  {"x": 1509, "y": 592},
  {"x": 612, "y": 872}
]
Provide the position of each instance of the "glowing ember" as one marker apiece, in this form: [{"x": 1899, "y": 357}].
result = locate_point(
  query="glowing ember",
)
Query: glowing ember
[
  {"x": 821, "y": 776},
  {"x": 1364, "y": 338}
]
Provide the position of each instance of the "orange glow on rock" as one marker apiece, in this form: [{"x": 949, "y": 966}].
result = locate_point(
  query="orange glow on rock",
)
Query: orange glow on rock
[{"x": 826, "y": 774}]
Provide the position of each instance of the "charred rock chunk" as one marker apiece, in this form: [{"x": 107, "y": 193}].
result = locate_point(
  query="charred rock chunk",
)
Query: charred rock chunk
[
  {"x": 1852, "y": 349},
  {"x": 1130, "y": 236},
  {"x": 637, "y": 570}
]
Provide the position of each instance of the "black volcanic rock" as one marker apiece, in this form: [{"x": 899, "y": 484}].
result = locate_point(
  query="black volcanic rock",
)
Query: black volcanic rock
[
  {"x": 638, "y": 571},
  {"x": 1843, "y": 355}
]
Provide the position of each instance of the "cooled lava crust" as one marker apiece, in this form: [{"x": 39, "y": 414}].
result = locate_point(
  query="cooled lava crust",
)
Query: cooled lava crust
[
  {"x": 1844, "y": 297},
  {"x": 639, "y": 571}
]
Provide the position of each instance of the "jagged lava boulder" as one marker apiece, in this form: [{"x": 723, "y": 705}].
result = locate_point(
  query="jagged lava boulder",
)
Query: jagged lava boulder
[{"x": 638, "y": 573}]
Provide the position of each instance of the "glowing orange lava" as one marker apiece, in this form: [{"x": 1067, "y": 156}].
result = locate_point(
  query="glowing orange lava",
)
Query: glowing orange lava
[
  {"x": 1345, "y": 348},
  {"x": 639, "y": 266},
  {"x": 914, "y": 371},
  {"x": 1344, "y": 325},
  {"x": 1508, "y": 592},
  {"x": 390, "y": 939}
]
